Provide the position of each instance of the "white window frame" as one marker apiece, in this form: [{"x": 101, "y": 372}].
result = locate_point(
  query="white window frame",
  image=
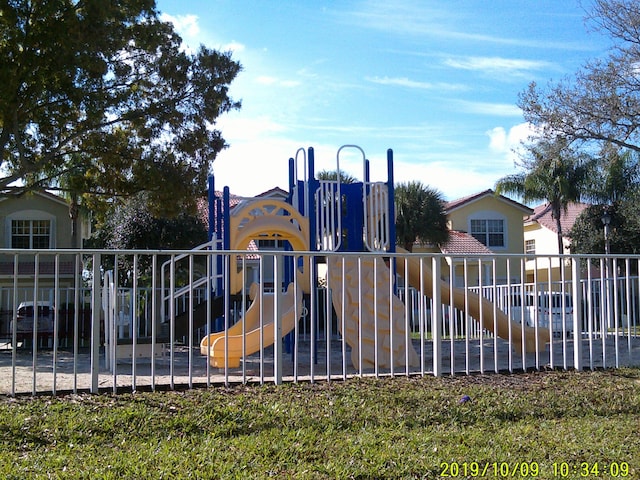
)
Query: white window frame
[
  {"x": 487, "y": 216},
  {"x": 30, "y": 215},
  {"x": 530, "y": 246}
]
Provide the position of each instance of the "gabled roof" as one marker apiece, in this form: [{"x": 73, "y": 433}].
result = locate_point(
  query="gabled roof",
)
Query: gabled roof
[
  {"x": 460, "y": 202},
  {"x": 40, "y": 193},
  {"x": 274, "y": 192},
  {"x": 462, "y": 242},
  {"x": 542, "y": 215}
]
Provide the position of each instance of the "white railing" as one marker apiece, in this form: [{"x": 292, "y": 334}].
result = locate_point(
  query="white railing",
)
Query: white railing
[{"x": 398, "y": 314}]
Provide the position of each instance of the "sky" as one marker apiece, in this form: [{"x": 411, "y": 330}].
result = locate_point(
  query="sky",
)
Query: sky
[{"x": 436, "y": 81}]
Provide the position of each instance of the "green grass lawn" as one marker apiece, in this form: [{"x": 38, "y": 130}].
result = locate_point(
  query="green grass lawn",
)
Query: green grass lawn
[{"x": 536, "y": 425}]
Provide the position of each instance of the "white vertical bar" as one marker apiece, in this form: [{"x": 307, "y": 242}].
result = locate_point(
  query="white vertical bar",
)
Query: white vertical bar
[
  {"x": 277, "y": 319},
  {"x": 390, "y": 310},
  {"x": 360, "y": 369},
  {"x": 76, "y": 317},
  {"x": 423, "y": 314},
  {"x": 436, "y": 317},
  {"x": 375, "y": 318},
  {"x": 154, "y": 320},
  {"x": 467, "y": 318},
  {"x": 590, "y": 310},
  {"x": 407, "y": 324},
  {"x": 481, "y": 315},
  {"x": 95, "y": 323},
  {"x": 36, "y": 316},
  {"x": 14, "y": 330},
  {"x": 343, "y": 313},
  {"x": 327, "y": 327},
  {"x": 577, "y": 313},
  {"x": 190, "y": 320},
  {"x": 172, "y": 320},
  {"x": 523, "y": 320},
  {"x": 616, "y": 312},
  {"x": 56, "y": 319},
  {"x": 494, "y": 313},
  {"x": 451, "y": 309},
  {"x": 509, "y": 300},
  {"x": 134, "y": 323}
]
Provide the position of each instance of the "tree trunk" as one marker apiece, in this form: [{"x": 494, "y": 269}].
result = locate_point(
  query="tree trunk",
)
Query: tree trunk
[
  {"x": 73, "y": 215},
  {"x": 560, "y": 239}
]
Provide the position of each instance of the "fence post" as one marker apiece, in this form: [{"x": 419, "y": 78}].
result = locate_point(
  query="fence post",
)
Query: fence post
[
  {"x": 436, "y": 317},
  {"x": 577, "y": 313},
  {"x": 96, "y": 306},
  {"x": 277, "y": 322}
]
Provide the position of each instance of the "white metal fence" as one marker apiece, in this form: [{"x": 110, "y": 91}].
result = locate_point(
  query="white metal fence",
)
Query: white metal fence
[{"x": 123, "y": 322}]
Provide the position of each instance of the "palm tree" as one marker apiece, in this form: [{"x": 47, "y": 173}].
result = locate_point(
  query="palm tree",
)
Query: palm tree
[
  {"x": 420, "y": 215},
  {"x": 618, "y": 176},
  {"x": 333, "y": 175},
  {"x": 554, "y": 173}
]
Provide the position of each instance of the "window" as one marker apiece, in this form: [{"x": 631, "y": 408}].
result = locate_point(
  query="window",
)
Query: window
[
  {"x": 530, "y": 247},
  {"x": 35, "y": 234},
  {"x": 489, "y": 232},
  {"x": 271, "y": 244}
]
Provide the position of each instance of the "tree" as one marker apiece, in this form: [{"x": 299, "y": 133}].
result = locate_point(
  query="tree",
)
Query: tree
[
  {"x": 617, "y": 176},
  {"x": 333, "y": 175},
  {"x": 103, "y": 91},
  {"x": 552, "y": 172},
  {"x": 420, "y": 215},
  {"x": 601, "y": 103},
  {"x": 615, "y": 187},
  {"x": 132, "y": 226}
]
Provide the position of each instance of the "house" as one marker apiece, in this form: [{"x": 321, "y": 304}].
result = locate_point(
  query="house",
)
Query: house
[
  {"x": 37, "y": 220},
  {"x": 486, "y": 223},
  {"x": 541, "y": 238}
]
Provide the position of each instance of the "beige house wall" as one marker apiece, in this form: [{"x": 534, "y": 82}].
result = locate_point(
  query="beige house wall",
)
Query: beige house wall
[
  {"x": 546, "y": 243},
  {"x": 494, "y": 208}
]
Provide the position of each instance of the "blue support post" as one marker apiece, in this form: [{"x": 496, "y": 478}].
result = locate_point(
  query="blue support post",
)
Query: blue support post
[
  {"x": 392, "y": 211},
  {"x": 212, "y": 198}
]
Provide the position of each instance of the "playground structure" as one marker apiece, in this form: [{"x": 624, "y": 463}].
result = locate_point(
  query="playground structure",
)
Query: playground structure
[{"x": 329, "y": 215}]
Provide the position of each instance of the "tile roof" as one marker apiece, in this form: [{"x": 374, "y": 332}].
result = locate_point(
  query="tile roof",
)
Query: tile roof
[
  {"x": 462, "y": 242},
  {"x": 459, "y": 202},
  {"x": 542, "y": 215}
]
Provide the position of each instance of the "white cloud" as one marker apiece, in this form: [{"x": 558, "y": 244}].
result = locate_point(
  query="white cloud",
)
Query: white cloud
[
  {"x": 497, "y": 65},
  {"x": 510, "y": 143},
  {"x": 185, "y": 25},
  {"x": 232, "y": 46},
  {"x": 446, "y": 177},
  {"x": 488, "y": 108},
  {"x": 273, "y": 81},
  {"x": 406, "y": 82}
]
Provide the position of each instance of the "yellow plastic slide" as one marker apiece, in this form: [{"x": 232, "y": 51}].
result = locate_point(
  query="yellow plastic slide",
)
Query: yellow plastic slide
[
  {"x": 476, "y": 306},
  {"x": 233, "y": 340}
]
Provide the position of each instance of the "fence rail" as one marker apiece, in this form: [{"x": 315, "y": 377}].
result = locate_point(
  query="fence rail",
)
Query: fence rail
[{"x": 141, "y": 325}]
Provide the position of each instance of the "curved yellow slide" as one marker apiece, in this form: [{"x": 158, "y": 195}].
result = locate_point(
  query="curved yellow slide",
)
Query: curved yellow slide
[
  {"x": 478, "y": 307},
  {"x": 248, "y": 336}
]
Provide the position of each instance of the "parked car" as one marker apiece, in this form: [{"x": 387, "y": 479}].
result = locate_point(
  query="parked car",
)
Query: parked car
[
  {"x": 544, "y": 306},
  {"x": 26, "y": 318}
]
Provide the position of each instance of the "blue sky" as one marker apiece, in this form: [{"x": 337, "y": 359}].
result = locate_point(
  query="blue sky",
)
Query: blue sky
[{"x": 436, "y": 81}]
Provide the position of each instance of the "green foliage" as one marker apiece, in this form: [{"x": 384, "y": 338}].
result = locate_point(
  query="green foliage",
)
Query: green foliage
[
  {"x": 587, "y": 234},
  {"x": 600, "y": 104},
  {"x": 552, "y": 172},
  {"x": 420, "y": 215},
  {"x": 614, "y": 186},
  {"x": 362, "y": 428},
  {"x": 333, "y": 175},
  {"x": 133, "y": 226},
  {"x": 103, "y": 93}
]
